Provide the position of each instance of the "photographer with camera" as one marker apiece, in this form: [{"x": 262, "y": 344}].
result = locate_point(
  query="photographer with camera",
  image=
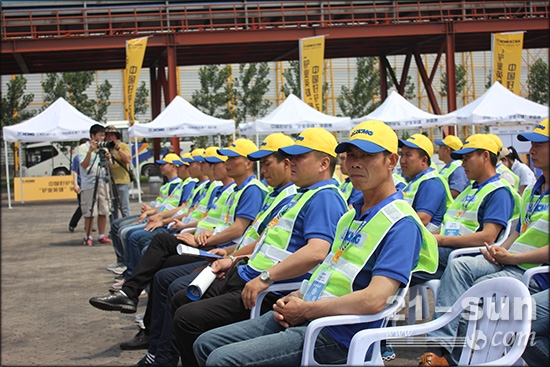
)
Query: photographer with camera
[
  {"x": 94, "y": 194},
  {"x": 120, "y": 170}
]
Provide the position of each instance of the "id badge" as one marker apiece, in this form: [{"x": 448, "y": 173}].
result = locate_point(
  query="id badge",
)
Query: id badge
[
  {"x": 452, "y": 229},
  {"x": 316, "y": 288},
  {"x": 185, "y": 220},
  {"x": 179, "y": 212}
]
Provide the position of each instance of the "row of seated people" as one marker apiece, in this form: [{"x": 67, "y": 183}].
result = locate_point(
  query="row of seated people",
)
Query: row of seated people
[{"x": 288, "y": 238}]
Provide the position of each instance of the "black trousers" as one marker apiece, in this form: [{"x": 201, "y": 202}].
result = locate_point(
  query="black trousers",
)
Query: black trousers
[
  {"x": 77, "y": 214},
  {"x": 162, "y": 247},
  {"x": 221, "y": 305}
]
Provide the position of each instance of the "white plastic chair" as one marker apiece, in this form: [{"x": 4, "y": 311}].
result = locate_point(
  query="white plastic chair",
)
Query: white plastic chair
[
  {"x": 505, "y": 310},
  {"x": 433, "y": 284},
  {"x": 315, "y": 327},
  {"x": 530, "y": 272},
  {"x": 279, "y": 287}
]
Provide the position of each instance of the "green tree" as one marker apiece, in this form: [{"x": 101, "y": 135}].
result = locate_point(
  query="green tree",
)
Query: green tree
[
  {"x": 250, "y": 87},
  {"x": 15, "y": 101},
  {"x": 461, "y": 80},
  {"x": 489, "y": 81},
  {"x": 538, "y": 82},
  {"x": 358, "y": 101},
  {"x": 214, "y": 94},
  {"x": 72, "y": 87},
  {"x": 140, "y": 102},
  {"x": 292, "y": 80}
]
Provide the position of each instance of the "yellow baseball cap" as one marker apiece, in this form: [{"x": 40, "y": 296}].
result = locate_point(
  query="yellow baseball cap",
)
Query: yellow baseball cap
[
  {"x": 185, "y": 158},
  {"x": 171, "y": 158},
  {"x": 450, "y": 141},
  {"x": 474, "y": 142},
  {"x": 241, "y": 147},
  {"x": 539, "y": 135},
  {"x": 314, "y": 138},
  {"x": 497, "y": 141},
  {"x": 270, "y": 145},
  {"x": 419, "y": 141},
  {"x": 371, "y": 136},
  {"x": 211, "y": 155}
]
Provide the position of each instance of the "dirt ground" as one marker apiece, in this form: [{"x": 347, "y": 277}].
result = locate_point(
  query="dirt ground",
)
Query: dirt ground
[{"x": 48, "y": 277}]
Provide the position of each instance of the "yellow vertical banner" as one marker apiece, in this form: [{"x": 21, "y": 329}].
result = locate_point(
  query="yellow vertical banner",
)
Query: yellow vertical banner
[
  {"x": 507, "y": 49},
  {"x": 312, "y": 55},
  {"x": 135, "y": 50}
]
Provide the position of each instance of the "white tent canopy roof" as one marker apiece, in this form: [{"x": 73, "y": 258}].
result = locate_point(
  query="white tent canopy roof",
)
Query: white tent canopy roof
[
  {"x": 499, "y": 105},
  {"x": 59, "y": 122},
  {"x": 181, "y": 118},
  {"x": 399, "y": 114},
  {"x": 294, "y": 116}
]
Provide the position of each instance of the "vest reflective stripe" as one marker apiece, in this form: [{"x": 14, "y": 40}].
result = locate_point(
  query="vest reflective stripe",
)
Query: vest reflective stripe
[
  {"x": 357, "y": 254},
  {"x": 468, "y": 220},
  {"x": 202, "y": 206},
  {"x": 270, "y": 203},
  {"x": 173, "y": 200},
  {"x": 164, "y": 192},
  {"x": 537, "y": 233},
  {"x": 346, "y": 187},
  {"x": 213, "y": 218},
  {"x": 445, "y": 173},
  {"x": 508, "y": 176},
  {"x": 278, "y": 237}
]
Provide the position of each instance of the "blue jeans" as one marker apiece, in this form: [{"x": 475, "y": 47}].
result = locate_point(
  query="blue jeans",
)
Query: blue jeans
[
  {"x": 461, "y": 274},
  {"x": 116, "y": 225},
  {"x": 262, "y": 341},
  {"x": 123, "y": 191},
  {"x": 137, "y": 241},
  {"x": 538, "y": 353},
  {"x": 167, "y": 282}
]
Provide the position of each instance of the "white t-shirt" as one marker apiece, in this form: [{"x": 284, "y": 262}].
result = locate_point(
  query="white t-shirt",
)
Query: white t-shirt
[
  {"x": 88, "y": 175},
  {"x": 526, "y": 176}
]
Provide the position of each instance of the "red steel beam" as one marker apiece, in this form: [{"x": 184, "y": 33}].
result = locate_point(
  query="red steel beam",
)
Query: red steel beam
[{"x": 427, "y": 84}]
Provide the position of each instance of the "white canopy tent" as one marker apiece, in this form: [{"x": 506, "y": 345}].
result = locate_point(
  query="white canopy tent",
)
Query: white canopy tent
[
  {"x": 293, "y": 116},
  {"x": 498, "y": 105},
  {"x": 180, "y": 118},
  {"x": 59, "y": 122},
  {"x": 399, "y": 114}
]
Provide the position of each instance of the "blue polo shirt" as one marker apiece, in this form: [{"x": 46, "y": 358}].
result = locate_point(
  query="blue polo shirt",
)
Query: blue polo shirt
[
  {"x": 187, "y": 191},
  {"x": 497, "y": 207},
  {"x": 395, "y": 258},
  {"x": 430, "y": 198},
  {"x": 317, "y": 219},
  {"x": 457, "y": 180},
  {"x": 76, "y": 168},
  {"x": 250, "y": 202}
]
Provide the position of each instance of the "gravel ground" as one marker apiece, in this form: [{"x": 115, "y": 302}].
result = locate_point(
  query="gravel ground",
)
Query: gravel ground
[{"x": 47, "y": 279}]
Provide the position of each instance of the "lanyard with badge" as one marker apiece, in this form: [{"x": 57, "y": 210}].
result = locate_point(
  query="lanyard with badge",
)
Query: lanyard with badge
[
  {"x": 531, "y": 209},
  {"x": 453, "y": 228},
  {"x": 321, "y": 280}
]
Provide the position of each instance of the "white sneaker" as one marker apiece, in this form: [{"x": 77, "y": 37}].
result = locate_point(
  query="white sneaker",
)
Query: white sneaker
[{"x": 117, "y": 268}]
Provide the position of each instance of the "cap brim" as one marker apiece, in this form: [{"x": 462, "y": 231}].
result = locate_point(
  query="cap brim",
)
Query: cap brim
[
  {"x": 187, "y": 160},
  {"x": 228, "y": 153},
  {"x": 295, "y": 150},
  {"x": 161, "y": 161},
  {"x": 457, "y": 154},
  {"x": 198, "y": 158},
  {"x": 408, "y": 144},
  {"x": 534, "y": 137},
  {"x": 256, "y": 156},
  {"x": 439, "y": 142},
  {"x": 365, "y": 146},
  {"x": 213, "y": 160}
]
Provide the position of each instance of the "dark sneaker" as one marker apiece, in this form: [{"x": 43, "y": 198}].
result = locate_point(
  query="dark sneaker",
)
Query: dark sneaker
[
  {"x": 140, "y": 341},
  {"x": 116, "y": 301}
]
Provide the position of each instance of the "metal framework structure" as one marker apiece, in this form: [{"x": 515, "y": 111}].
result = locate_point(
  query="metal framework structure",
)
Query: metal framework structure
[{"x": 93, "y": 38}]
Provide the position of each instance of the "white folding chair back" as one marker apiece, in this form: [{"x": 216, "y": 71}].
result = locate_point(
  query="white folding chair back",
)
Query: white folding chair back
[
  {"x": 503, "y": 313},
  {"x": 314, "y": 328},
  {"x": 526, "y": 279}
]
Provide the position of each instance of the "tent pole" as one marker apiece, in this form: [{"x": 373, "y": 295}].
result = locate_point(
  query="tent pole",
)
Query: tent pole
[
  {"x": 220, "y": 140},
  {"x": 258, "y": 162},
  {"x": 7, "y": 173},
  {"x": 21, "y": 173},
  {"x": 138, "y": 173}
]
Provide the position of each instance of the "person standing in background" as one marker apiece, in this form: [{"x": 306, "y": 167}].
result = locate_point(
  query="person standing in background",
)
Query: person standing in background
[
  {"x": 75, "y": 172},
  {"x": 120, "y": 170},
  {"x": 510, "y": 158}
]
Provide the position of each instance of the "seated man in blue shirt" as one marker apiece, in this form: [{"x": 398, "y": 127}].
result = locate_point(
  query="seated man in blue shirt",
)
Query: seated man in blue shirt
[
  {"x": 426, "y": 191},
  {"x": 372, "y": 256},
  {"x": 453, "y": 171},
  {"x": 482, "y": 210},
  {"x": 293, "y": 243}
]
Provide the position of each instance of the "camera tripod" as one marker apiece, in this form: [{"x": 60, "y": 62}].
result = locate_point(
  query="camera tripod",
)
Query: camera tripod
[{"x": 112, "y": 193}]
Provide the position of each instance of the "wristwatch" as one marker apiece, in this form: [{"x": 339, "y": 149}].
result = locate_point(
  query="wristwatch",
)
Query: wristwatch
[{"x": 266, "y": 277}]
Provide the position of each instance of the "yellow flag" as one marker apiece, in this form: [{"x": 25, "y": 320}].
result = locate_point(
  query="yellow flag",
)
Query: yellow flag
[
  {"x": 312, "y": 55},
  {"x": 507, "y": 49},
  {"x": 135, "y": 50}
]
